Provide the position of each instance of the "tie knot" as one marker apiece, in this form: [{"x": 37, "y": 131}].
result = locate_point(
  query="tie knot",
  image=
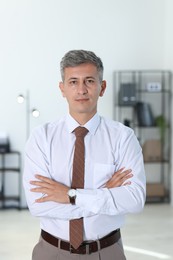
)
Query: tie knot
[{"x": 80, "y": 131}]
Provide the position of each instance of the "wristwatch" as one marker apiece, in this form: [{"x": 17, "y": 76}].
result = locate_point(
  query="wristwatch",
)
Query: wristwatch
[{"x": 72, "y": 196}]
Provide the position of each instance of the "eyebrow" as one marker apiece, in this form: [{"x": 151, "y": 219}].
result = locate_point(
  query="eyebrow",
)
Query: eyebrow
[
  {"x": 76, "y": 78},
  {"x": 90, "y": 77},
  {"x": 72, "y": 78}
]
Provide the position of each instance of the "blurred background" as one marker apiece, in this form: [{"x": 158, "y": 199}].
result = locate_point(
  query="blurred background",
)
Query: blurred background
[{"x": 134, "y": 40}]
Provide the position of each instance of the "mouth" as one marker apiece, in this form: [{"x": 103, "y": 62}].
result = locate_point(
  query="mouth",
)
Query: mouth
[{"x": 82, "y": 99}]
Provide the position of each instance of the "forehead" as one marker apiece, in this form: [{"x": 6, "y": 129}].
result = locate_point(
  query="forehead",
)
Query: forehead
[{"x": 81, "y": 71}]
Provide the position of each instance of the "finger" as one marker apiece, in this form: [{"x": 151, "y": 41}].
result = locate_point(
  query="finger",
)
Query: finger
[
  {"x": 43, "y": 199},
  {"x": 119, "y": 171},
  {"x": 125, "y": 176},
  {"x": 40, "y": 184},
  {"x": 114, "y": 181},
  {"x": 126, "y": 172},
  {"x": 128, "y": 176},
  {"x": 120, "y": 176},
  {"x": 127, "y": 183},
  {"x": 43, "y": 178},
  {"x": 40, "y": 190},
  {"x": 118, "y": 181}
]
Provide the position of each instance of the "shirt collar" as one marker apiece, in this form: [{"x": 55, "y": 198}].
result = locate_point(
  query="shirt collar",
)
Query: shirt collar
[{"x": 91, "y": 125}]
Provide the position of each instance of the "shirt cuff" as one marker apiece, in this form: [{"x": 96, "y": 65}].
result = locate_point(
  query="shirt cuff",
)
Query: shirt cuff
[{"x": 97, "y": 201}]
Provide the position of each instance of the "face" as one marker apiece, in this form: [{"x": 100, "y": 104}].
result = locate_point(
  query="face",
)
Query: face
[{"x": 82, "y": 88}]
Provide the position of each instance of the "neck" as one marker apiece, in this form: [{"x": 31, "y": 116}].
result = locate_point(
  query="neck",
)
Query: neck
[{"x": 82, "y": 118}]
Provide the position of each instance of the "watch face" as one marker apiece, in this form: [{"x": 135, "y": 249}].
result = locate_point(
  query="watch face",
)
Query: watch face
[{"x": 72, "y": 193}]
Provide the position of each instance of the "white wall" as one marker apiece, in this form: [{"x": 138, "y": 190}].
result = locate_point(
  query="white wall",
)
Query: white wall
[{"x": 35, "y": 34}]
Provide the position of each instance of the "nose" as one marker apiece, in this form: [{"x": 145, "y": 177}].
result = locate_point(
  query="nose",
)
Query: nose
[{"x": 82, "y": 88}]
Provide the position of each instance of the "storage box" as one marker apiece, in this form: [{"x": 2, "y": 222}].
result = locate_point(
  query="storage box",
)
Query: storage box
[
  {"x": 155, "y": 190},
  {"x": 152, "y": 151},
  {"x": 127, "y": 94}
]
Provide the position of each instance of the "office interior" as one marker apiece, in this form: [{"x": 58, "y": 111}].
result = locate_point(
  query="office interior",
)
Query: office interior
[{"x": 129, "y": 35}]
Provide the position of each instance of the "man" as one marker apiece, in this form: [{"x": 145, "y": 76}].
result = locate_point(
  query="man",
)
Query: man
[{"x": 109, "y": 190}]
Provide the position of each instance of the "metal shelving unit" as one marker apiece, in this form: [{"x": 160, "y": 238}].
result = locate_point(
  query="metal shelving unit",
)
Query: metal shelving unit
[{"x": 150, "y": 89}]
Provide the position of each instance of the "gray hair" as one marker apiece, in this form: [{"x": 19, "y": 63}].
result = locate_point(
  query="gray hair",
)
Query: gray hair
[{"x": 74, "y": 58}]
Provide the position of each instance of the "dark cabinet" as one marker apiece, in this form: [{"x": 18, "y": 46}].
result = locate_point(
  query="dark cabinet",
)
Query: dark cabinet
[{"x": 10, "y": 164}]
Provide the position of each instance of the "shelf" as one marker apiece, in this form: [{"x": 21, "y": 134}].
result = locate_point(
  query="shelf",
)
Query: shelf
[
  {"x": 10, "y": 198},
  {"x": 164, "y": 161},
  {"x": 11, "y": 152},
  {"x": 9, "y": 169},
  {"x": 153, "y": 92}
]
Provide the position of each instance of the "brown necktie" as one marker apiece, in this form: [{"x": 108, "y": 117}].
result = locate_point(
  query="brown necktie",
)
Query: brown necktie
[{"x": 76, "y": 225}]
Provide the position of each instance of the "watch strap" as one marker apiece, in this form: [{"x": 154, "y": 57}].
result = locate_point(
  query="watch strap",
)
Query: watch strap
[{"x": 72, "y": 200}]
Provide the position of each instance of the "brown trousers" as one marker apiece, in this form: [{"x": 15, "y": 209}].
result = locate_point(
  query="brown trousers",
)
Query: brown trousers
[{"x": 45, "y": 251}]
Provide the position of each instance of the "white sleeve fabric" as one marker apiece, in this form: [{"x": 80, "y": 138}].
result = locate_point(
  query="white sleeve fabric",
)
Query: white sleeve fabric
[{"x": 120, "y": 200}]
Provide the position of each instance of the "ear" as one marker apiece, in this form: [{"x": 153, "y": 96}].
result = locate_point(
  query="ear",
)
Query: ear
[
  {"x": 61, "y": 86},
  {"x": 103, "y": 87}
]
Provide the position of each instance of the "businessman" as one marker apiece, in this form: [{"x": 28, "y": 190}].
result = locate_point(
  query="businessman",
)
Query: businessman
[{"x": 83, "y": 173}]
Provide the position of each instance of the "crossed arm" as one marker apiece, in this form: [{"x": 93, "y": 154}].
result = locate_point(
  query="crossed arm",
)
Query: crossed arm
[{"x": 57, "y": 192}]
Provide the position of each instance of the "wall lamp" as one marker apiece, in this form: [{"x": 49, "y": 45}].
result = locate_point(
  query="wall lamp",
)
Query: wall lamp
[{"x": 34, "y": 111}]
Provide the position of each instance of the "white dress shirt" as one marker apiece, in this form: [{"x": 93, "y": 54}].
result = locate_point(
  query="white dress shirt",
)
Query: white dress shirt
[{"x": 109, "y": 146}]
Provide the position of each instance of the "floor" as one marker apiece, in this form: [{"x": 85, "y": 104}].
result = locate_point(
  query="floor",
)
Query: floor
[{"x": 146, "y": 236}]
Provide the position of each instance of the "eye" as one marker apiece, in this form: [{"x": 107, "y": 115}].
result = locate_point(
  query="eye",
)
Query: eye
[
  {"x": 89, "y": 82},
  {"x": 73, "y": 82}
]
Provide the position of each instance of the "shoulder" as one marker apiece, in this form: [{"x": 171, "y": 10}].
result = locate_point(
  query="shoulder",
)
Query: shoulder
[
  {"x": 115, "y": 126},
  {"x": 46, "y": 131},
  {"x": 120, "y": 134}
]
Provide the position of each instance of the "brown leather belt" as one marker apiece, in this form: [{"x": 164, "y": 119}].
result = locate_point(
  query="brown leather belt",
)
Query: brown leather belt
[{"x": 86, "y": 247}]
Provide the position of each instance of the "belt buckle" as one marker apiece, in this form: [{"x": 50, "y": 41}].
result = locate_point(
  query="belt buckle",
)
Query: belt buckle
[
  {"x": 87, "y": 246},
  {"x": 77, "y": 251},
  {"x": 71, "y": 249}
]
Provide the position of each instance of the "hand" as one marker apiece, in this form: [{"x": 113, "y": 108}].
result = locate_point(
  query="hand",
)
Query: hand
[
  {"x": 52, "y": 190},
  {"x": 119, "y": 179}
]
